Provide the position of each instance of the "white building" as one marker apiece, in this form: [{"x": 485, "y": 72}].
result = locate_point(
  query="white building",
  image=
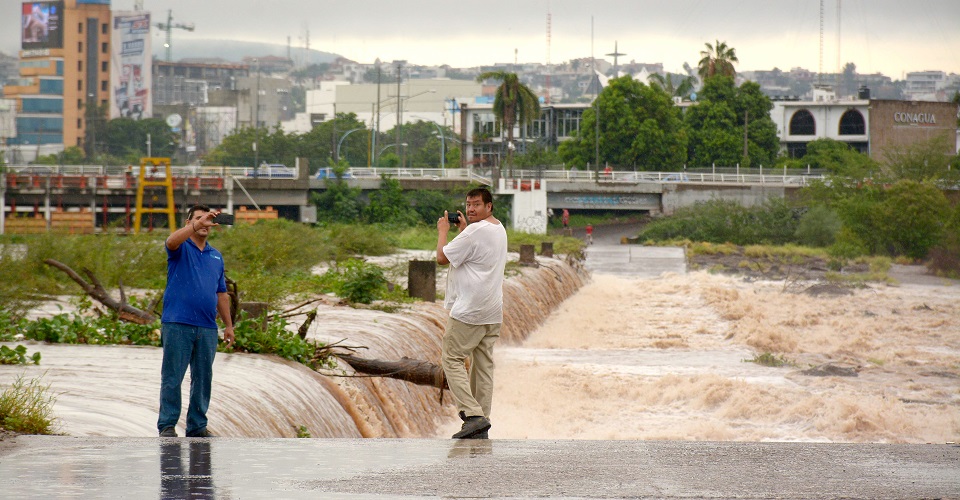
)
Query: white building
[
  {"x": 430, "y": 100},
  {"x": 799, "y": 122}
]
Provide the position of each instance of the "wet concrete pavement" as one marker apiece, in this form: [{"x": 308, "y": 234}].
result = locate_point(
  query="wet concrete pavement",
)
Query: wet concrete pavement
[{"x": 65, "y": 467}]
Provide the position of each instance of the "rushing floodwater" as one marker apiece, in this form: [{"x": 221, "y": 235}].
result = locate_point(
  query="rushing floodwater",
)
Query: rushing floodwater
[
  {"x": 629, "y": 358},
  {"x": 622, "y": 358}
]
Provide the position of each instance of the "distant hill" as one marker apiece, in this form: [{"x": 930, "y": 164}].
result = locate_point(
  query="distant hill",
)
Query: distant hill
[{"x": 236, "y": 50}]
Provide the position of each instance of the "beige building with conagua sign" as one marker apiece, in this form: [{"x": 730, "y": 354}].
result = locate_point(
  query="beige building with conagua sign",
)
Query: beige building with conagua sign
[{"x": 902, "y": 123}]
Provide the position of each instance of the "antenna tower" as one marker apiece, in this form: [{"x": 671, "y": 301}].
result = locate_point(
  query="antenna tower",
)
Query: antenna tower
[
  {"x": 546, "y": 98},
  {"x": 820, "y": 67},
  {"x": 838, "y": 47}
]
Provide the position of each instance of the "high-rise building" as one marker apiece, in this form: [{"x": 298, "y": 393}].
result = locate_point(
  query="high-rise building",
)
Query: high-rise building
[{"x": 64, "y": 74}]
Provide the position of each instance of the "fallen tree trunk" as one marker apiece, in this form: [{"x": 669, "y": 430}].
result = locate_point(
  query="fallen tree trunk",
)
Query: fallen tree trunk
[
  {"x": 411, "y": 370},
  {"x": 95, "y": 290}
]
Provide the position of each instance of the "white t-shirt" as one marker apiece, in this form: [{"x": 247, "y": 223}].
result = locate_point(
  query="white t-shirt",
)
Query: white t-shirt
[{"x": 475, "y": 281}]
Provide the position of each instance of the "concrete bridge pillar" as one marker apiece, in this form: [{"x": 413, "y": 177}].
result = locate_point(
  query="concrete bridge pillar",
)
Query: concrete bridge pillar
[{"x": 529, "y": 209}]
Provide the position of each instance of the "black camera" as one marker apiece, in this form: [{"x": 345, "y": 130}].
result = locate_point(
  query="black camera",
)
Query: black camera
[
  {"x": 454, "y": 218},
  {"x": 223, "y": 218}
]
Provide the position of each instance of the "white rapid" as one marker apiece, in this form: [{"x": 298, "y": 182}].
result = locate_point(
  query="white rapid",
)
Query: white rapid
[
  {"x": 665, "y": 358},
  {"x": 114, "y": 390}
]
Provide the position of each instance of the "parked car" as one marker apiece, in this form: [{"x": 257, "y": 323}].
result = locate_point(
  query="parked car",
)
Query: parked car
[
  {"x": 273, "y": 171},
  {"x": 676, "y": 178}
]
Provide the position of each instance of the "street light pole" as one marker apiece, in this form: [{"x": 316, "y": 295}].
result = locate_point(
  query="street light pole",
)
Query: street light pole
[
  {"x": 344, "y": 137},
  {"x": 256, "y": 125}
]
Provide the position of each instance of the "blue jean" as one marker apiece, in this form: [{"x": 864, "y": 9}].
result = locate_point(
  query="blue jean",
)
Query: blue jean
[{"x": 193, "y": 346}]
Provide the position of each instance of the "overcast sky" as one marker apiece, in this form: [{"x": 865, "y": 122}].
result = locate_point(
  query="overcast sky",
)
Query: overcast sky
[{"x": 889, "y": 36}]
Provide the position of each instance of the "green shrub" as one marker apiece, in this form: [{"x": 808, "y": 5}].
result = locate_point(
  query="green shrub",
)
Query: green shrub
[
  {"x": 818, "y": 227},
  {"x": 17, "y": 356},
  {"x": 358, "y": 281},
  {"x": 27, "y": 407},
  {"x": 724, "y": 221}
]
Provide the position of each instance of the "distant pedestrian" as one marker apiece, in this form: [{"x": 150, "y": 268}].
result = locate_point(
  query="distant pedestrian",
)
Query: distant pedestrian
[
  {"x": 565, "y": 218},
  {"x": 196, "y": 292},
  {"x": 589, "y": 234}
]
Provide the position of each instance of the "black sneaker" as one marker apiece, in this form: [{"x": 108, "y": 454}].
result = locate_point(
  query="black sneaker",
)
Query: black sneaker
[
  {"x": 471, "y": 426},
  {"x": 168, "y": 432},
  {"x": 202, "y": 434},
  {"x": 480, "y": 435}
]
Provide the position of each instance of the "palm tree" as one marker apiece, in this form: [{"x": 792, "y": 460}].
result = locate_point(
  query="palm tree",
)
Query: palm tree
[
  {"x": 665, "y": 83},
  {"x": 514, "y": 103},
  {"x": 717, "y": 60}
]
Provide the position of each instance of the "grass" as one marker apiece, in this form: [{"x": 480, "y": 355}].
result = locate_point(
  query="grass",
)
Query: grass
[
  {"x": 771, "y": 360},
  {"x": 26, "y": 407}
]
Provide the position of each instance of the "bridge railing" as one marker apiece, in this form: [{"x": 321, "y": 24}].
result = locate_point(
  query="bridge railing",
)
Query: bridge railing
[{"x": 480, "y": 175}]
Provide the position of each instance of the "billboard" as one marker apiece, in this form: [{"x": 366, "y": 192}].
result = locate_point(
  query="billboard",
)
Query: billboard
[
  {"x": 131, "y": 79},
  {"x": 42, "y": 25}
]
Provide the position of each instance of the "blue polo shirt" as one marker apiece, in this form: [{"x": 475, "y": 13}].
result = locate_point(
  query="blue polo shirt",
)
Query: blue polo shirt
[{"x": 194, "y": 277}]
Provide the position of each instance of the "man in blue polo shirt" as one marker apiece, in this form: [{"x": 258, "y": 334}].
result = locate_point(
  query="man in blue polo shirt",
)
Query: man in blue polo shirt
[{"x": 196, "y": 292}]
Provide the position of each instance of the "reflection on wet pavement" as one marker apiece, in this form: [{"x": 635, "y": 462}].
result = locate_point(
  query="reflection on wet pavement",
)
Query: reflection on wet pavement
[{"x": 195, "y": 480}]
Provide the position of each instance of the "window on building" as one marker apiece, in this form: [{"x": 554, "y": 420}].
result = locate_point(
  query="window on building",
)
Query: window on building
[
  {"x": 80, "y": 47},
  {"x": 80, "y": 28},
  {"x": 484, "y": 127},
  {"x": 103, "y": 47},
  {"x": 79, "y": 65},
  {"x": 103, "y": 28},
  {"x": 802, "y": 123},
  {"x": 79, "y": 84},
  {"x": 51, "y": 87},
  {"x": 103, "y": 85},
  {"x": 79, "y": 123},
  {"x": 852, "y": 123},
  {"x": 37, "y": 105},
  {"x": 104, "y": 67},
  {"x": 568, "y": 122},
  {"x": 79, "y": 103}
]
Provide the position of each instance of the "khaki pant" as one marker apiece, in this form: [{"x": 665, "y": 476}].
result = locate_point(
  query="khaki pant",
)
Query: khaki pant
[{"x": 474, "y": 393}]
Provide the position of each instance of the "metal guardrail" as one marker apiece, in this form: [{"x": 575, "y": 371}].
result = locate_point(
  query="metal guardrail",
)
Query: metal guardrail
[{"x": 786, "y": 178}]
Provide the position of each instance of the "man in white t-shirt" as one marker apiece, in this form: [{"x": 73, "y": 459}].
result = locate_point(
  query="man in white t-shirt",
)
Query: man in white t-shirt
[{"x": 474, "y": 297}]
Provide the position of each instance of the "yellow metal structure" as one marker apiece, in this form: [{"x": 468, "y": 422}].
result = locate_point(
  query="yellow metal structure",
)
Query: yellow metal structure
[{"x": 143, "y": 182}]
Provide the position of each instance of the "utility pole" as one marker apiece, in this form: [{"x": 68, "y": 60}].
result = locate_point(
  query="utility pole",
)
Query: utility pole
[
  {"x": 746, "y": 122},
  {"x": 399, "y": 134},
  {"x": 376, "y": 129}
]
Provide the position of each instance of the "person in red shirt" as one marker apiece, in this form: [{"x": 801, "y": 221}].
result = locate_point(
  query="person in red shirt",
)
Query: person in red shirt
[
  {"x": 589, "y": 234},
  {"x": 565, "y": 217}
]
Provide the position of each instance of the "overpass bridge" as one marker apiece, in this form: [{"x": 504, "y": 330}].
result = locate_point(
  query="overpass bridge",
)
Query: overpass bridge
[{"x": 108, "y": 193}]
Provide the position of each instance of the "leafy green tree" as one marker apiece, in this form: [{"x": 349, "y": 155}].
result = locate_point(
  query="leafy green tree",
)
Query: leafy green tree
[
  {"x": 639, "y": 128},
  {"x": 318, "y": 145},
  {"x": 70, "y": 156},
  {"x": 389, "y": 205},
  {"x": 430, "y": 204},
  {"x": 718, "y": 59},
  {"x": 716, "y": 125},
  {"x": 514, "y": 103},
  {"x": 682, "y": 88},
  {"x": 838, "y": 158},
  {"x": 338, "y": 202},
  {"x": 911, "y": 219},
  {"x": 126, "y": 139},
  {"x": 538, "y": 156},
  {"x": 922, "y": 161}
]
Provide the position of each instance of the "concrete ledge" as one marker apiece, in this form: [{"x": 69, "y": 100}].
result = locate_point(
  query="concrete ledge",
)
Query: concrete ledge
[{"x": 39, "y": 466}]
